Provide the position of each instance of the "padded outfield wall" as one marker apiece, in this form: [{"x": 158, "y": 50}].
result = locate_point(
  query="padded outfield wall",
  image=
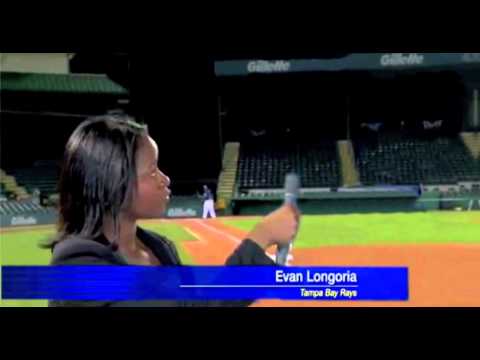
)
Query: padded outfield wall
[
  {"x": 368, "y": 202},
  {"x": 179, "y": 207}
]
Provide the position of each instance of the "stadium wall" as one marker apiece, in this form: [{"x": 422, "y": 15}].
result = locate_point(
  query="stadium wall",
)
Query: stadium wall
[
  {"x": 179, "y": 207},
  {"x": 427, "y": 202},
  {"x": 327, "y": 206},
  {"x": 28, "y": 219},
  {"x": 184, "y": 207}
]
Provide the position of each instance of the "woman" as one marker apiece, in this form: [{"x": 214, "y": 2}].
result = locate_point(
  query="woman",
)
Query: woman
[{"x": 109, "y": 180}]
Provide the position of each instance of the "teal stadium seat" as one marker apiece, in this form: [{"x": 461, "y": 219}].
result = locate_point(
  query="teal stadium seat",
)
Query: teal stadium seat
[
  {"x": 264, "y": 166},
  {"x": 400, "y": 161}
]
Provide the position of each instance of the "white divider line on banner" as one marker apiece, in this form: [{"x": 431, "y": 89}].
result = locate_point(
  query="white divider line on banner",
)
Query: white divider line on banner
[{"x": 269, "y": 286}]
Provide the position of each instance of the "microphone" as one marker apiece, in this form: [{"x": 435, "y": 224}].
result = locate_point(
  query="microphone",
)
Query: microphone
[{"x": 292, "y": 190}]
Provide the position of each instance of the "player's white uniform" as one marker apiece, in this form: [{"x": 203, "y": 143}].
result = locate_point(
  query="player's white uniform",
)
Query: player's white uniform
[
  {"x": 209, "y": 209},
  {"x": 208, "y": 203}
]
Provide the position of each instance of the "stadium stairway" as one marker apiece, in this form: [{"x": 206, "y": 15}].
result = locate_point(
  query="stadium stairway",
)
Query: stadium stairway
[
  {"x": 350, "y": 176},
  {"x": 472, "y": 142},
  {"x": 226, "y": 180}
]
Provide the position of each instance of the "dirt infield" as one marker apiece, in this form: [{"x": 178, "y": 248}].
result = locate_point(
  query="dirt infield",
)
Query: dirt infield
[
  {"x": 212, "y": 246},
  {"x": 439, "y": 275}
]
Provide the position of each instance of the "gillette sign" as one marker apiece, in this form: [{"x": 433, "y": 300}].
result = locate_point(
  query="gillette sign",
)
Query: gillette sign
[
  {"x": 262, "y": 66},
  {"x": 400, "y": 59},
  {"x": 471, "y": 57}
]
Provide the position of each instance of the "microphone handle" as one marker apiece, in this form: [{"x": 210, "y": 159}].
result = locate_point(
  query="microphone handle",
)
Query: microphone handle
[
  {"x": 284, "y": 250},
  {"x": 282, "y": 254}
]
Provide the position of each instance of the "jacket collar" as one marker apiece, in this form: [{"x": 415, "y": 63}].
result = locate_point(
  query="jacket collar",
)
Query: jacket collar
[{"x": 156, "y": 244}]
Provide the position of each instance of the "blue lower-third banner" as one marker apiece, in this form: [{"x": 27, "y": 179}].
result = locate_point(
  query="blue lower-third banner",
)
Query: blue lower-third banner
[{"x": 204, "y": 283}]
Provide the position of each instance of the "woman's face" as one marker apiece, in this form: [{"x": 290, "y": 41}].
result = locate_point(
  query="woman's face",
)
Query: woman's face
[{"x": 153, "y": 193}]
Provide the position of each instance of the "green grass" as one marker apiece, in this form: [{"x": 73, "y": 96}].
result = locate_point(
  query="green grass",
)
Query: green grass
[
  {"x": 21, "y": 248},
  {"x": 371, "y": 229}
]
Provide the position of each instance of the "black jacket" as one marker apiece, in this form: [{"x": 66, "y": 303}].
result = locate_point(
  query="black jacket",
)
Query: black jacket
[{"x": 78, "y": 251}]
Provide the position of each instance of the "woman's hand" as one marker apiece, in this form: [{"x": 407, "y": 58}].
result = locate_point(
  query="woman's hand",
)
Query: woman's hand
[{"x": 277, "y": 228}]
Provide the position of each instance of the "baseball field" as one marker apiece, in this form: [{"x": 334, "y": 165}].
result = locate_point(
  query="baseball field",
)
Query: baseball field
[{"x": 441, "y": 250}]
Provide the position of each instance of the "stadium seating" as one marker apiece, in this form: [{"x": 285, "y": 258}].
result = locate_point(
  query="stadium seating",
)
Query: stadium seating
[
  {"x": 20, "y": 207},
  {"x": 3, "y": 193},
  {"x": 264, "y": 166},
  {"x": 43, "y": 176},
  {"x": 407, "y": 160}
]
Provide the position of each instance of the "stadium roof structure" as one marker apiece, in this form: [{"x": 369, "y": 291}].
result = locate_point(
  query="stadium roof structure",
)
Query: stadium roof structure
[
  {"x": 59, "y": 83},
  {"x": 352, "y": 62}
]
